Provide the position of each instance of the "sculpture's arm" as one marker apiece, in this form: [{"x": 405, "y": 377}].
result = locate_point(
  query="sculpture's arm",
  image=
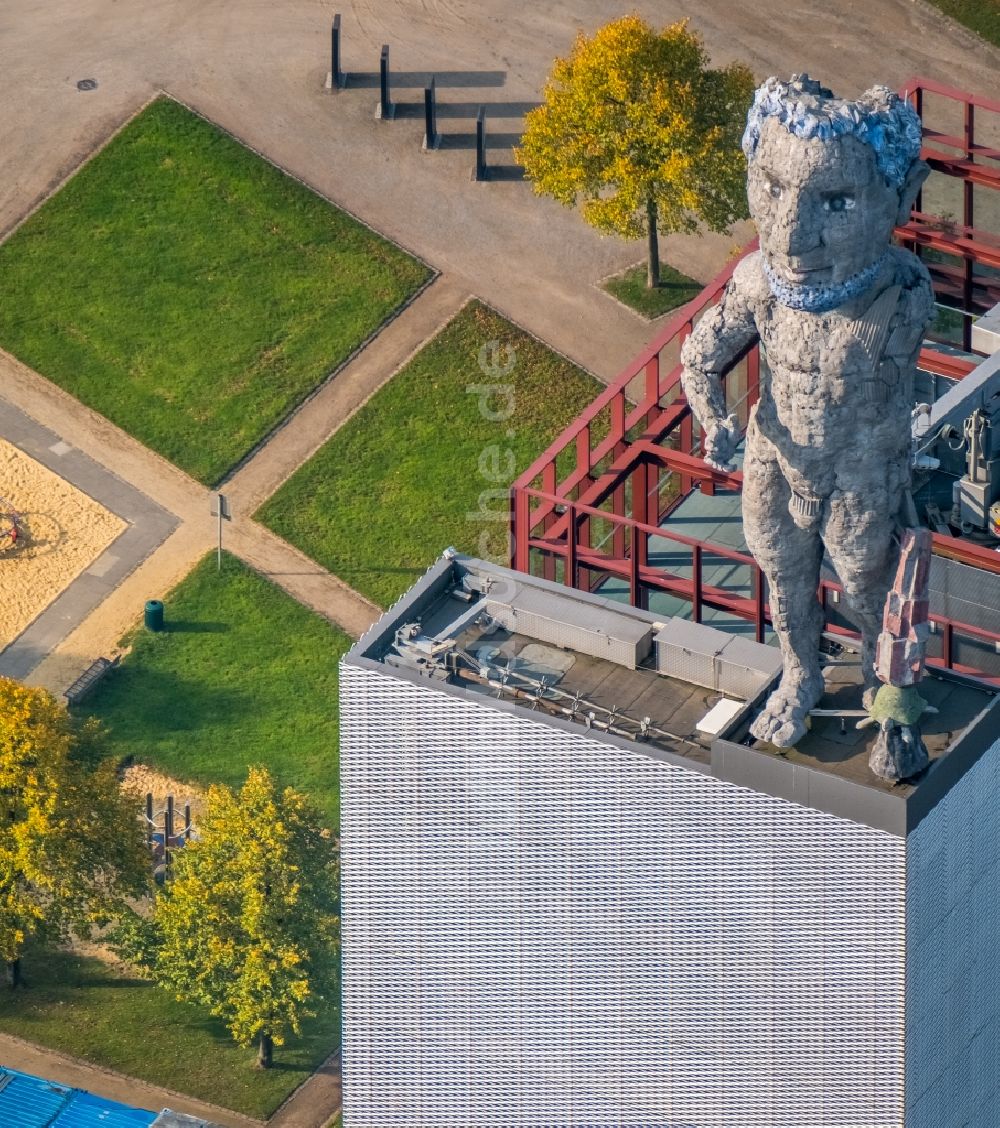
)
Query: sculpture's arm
[{"x": 721, "y": 335}]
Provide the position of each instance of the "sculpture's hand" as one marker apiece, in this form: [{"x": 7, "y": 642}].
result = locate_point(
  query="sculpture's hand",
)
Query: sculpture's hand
[{"x": 721, "y": 441}]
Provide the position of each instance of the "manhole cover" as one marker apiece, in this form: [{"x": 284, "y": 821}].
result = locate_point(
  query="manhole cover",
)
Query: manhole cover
[{"x": 87, "y": 84}]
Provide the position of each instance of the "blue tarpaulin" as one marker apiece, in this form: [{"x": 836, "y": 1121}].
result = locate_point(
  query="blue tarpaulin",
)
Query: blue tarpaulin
[{"x": 31, "y": 1102}]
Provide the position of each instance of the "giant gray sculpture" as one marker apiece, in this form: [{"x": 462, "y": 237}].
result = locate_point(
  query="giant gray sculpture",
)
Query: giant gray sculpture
[{"x": 840, "y": 314}]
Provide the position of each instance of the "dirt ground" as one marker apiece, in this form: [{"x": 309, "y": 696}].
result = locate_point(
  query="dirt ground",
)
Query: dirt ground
[
  {"x": 142, "y": 780},
  {"x": 61, "y": 533}
]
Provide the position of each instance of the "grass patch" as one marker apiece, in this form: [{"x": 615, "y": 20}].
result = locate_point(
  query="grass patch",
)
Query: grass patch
[
  {"x": 190, "y": 292},
  {"x": 242, "y": 675},
  {"x": 674, "y": 290},
  {"x": 421, "y": 466},
  {"x": 83, "y": 1007},
  {"x": 980, "y": 16}
]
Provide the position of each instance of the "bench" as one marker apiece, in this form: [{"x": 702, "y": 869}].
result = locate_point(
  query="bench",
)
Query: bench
[{"x": 85, "y": 683}]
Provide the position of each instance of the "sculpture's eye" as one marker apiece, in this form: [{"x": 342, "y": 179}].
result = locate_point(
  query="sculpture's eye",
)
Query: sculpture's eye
[
  {"x": 839, "y": 203},
  {"x": 774, "y": 189}
]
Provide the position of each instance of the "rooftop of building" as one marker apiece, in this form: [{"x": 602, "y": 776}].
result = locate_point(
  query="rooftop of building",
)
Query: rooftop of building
[{"x": 647, "y": 682}]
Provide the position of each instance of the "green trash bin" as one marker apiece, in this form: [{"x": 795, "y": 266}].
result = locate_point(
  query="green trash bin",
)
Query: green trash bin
[{"x": 154, "y": 615}]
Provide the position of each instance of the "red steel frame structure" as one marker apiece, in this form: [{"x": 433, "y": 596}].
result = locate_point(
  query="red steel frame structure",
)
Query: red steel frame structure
[{"x": 586, "y": 509}]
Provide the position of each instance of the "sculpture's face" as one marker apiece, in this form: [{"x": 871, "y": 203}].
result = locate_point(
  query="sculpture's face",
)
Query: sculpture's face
[{"x": 822, "y": 208}]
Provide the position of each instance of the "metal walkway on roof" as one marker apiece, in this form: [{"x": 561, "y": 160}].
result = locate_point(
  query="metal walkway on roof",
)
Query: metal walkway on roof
[{"x": 31, "y": 1102}]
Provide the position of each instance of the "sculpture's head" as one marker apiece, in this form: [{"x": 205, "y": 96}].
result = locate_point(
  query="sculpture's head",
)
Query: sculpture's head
[{"x": 828, "y": 180}]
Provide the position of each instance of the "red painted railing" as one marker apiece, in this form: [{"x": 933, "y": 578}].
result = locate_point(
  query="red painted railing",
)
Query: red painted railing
[
  {"x": 586, "y": 510},
  {"x": 950, "y": 120}
]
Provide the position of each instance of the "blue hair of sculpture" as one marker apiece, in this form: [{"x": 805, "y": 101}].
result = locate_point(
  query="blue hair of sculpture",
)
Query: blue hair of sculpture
[{"x": 879, "y": 118}]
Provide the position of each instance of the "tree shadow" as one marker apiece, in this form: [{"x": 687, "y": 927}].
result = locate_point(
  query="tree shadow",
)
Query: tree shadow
[
  {"x": 115, "y": 983},
  {"x": 194, "y": 626},
  {"x": 158, "y": 702}
]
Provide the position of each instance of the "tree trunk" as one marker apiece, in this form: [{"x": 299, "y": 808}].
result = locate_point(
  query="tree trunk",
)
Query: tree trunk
[
  {"x": 13, "y": 973},
  {"x": 265, "y": 1052},
  {"x": 653, "y": 265}
]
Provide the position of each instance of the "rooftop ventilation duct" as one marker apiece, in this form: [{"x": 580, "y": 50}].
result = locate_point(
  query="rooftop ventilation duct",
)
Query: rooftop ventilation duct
[
  {"x": 692, "y": 652},
  {"x": 601, "y": 631}
]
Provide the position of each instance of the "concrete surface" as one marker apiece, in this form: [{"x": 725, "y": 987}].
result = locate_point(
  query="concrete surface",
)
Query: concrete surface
[{"x": 259, "y": 68}]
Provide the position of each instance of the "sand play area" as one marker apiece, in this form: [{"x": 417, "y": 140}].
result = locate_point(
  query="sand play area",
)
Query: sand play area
[{"x": 62, "y": 532}]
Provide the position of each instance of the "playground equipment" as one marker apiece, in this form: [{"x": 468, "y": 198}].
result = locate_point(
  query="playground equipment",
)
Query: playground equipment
[
  {"x": 163, "y": 835},
  {"x": 11, "y": 530}
]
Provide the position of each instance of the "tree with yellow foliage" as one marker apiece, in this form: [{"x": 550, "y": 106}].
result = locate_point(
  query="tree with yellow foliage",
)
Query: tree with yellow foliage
[
  {"x": 247, "y": 925},
  {"x": 71, "y": 847},
  {"x": 637, "y": 125}
]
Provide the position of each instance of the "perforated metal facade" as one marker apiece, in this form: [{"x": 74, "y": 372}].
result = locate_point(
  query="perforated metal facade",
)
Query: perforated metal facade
[
  {"x": 546, "y": 930},
  {"x": 953, "y": 956}
]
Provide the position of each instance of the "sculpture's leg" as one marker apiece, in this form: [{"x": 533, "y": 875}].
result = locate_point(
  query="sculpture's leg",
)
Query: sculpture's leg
[
  {"x": 858, "y": 532},
  {"x": 790, "y": 558}
]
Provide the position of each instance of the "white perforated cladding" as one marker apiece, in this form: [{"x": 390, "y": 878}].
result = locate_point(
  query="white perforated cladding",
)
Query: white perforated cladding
[
  {"x": 953, "y": 957},
  {"x": 543, "y": 931}
]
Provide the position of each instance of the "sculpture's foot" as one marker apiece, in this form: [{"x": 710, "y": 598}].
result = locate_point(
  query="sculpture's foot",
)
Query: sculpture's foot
[{"x": 783, "y": 720}]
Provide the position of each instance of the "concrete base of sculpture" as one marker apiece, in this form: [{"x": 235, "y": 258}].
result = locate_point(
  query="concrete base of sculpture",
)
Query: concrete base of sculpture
[{"x": 899, "y": 752}]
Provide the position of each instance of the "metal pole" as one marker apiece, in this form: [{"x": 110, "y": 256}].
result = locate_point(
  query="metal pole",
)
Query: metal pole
[
  {"x": 481, "y": 144},
  {"x": 221, "y": 511},
  {"x": 168, "y": 829},
  {"x": 149, "y": 818},
  {"x": 386, "y": 110},
  {"x": 187, "y": 822},
  {"x": 430, "y": 116}
]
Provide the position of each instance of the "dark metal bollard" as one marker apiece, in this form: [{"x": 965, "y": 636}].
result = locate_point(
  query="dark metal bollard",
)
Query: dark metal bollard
[
  {"x": 386, "y": 110},
  {"x": 431, "y": 136},
  {"x": 338, "y": 80},
  {"x": 481, "y": 144}
]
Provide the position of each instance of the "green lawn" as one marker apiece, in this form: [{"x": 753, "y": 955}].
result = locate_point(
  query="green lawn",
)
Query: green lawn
[
  {"x": 674, "y": 290},
  {"x": 244, "y": 674},
  {"x": 82, "y": 1007},
  {"x": 980, "y": 16},
  {"x": 421, "y": 467},
  {"x": 191, "y": 292}
]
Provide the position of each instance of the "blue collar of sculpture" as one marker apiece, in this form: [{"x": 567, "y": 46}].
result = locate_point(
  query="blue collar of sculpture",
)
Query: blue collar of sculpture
[{"x": 821, "y": 299}]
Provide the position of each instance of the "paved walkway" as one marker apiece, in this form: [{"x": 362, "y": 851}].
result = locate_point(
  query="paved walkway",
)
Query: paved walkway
[{"x": 315, "y": 1102}]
